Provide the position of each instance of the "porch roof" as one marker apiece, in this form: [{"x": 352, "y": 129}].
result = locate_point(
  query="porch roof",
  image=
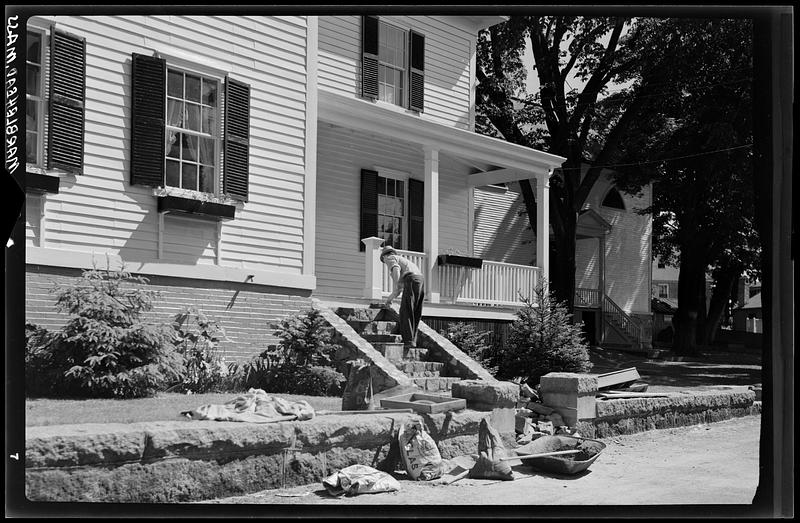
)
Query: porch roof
[{"x": 363, "y": 115}]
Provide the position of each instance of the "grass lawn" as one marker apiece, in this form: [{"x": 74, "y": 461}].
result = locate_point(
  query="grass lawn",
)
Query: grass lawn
[{"x": 164, "y": 407}]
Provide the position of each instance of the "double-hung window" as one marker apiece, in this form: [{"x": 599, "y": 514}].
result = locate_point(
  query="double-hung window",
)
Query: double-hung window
[
  {"x": 392, "y": 64},
  {"x": 663, "y": 290},
  {"x": 391, "y": 211},
  {"x": 190, "y": 129},
  {"x": 392, "y": 208},
  {"x": 34, "y": 97}
]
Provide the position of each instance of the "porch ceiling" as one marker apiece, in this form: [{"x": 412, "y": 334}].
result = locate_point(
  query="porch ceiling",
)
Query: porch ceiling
[{"x": 370, "y": 117}]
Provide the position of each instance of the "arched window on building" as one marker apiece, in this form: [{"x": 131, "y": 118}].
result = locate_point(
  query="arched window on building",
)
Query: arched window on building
[{"x": 613, "y": 199}]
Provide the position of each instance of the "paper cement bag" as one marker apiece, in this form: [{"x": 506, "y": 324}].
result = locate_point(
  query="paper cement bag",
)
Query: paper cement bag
[{"x": 420, "y": 454}]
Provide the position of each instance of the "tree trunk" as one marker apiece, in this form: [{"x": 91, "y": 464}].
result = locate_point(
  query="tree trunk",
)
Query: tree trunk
[
  {"x": 724, "y": 284},
  {"x": 691, "y": 279},
  {"x": 562, "y": 269}
]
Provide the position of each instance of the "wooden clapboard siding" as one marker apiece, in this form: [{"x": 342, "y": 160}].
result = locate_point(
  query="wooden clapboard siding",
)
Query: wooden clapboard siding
[
  {"x": 587, "y": 263},
  {"x": 500, "y": 232},
  {"x": 342, "y": 153},
  {"x": 102, "y": 212},
  {"x": 628, "y": 262},
  {"x": 33, "y": 209},
  {"x": 447, "y": 59}
]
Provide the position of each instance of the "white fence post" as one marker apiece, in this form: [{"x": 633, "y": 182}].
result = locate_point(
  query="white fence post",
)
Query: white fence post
[{"x": 373, "y": 285}]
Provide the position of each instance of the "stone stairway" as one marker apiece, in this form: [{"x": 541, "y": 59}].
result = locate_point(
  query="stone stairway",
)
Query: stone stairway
[{"x": 372, "y": 325}]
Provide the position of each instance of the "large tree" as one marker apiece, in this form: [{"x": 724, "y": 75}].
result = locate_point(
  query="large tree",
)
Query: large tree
[
  {"x": 695, "y": 146},
  {"x": 580, "y": 122}
]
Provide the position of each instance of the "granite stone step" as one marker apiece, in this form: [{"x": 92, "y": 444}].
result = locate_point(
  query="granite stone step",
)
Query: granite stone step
[
  {"x": 373, "y": 327},
  {"x": 393, "y": 351},
  {"x": 383, "y": 338},
  {"x": 412, "y": 367},
  {"x": 360, "y": 314},
  {"x": 437, "y": 384},
  {"x": 415, "y": 354}
]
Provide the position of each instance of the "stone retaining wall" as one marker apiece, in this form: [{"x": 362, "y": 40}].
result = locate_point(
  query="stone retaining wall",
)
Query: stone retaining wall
[
  {"x": 167, "y": 462},
  {"x": 629, "y": 416}
]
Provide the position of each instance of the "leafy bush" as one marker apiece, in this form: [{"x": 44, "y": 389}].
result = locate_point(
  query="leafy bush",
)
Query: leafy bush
[
  {"x": 43, "y": 373},
  {"x": 106, "y": 350},
  {"x": 474, "y": 344},
  {"x": 197, "y": 338},
  {"x": 543, "y": 339},
  {"x": 305, "y": 339},
  {"x": 311, "y": 380}
]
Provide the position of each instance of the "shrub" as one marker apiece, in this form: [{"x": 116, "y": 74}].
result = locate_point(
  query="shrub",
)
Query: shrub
[
  {"x": 42, "y": 376},
  {"x": 305, "y": 339},
  {"x": 106, "y": 350},
  {"x": 474, "y": 344},
  {"x": 311, "y": 380},
  {"x": 543, "y": 339},
  {"x": 197, "y": 338}
]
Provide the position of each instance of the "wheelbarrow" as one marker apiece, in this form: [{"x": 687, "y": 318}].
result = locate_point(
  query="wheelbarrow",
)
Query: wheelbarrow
[{"x": 568, "y": 454}]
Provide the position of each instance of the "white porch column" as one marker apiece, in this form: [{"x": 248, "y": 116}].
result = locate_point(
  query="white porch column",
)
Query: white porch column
[
  {"x": 373, "y": 287},
  {"x": 431, "y": 221},
  {"x": 543, "y": 224}
]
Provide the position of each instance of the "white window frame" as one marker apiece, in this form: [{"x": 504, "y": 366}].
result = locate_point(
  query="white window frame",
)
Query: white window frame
[
  {"x": 404, "y": 177},
  {"x": 216, "y": 135},
  {"x": 198, "y": 65},
  {"x": 44, "y": 31},
  {"x": 404, "y": 74}
]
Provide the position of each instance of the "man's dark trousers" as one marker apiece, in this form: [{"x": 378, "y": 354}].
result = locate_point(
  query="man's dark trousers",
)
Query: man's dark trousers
[{"x": 411, "y": 308}]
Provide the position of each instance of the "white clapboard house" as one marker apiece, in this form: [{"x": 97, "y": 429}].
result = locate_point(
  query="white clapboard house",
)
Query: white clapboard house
[{"x": 265, "y": 163}]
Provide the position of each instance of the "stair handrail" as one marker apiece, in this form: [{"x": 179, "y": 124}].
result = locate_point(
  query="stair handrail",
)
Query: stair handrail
[{"x": 629, "y": 324}]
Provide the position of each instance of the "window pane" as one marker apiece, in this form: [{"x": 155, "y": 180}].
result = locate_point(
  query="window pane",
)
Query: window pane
[
  {"x": 207, "y": 179},
  {"x": 173, "y": 144},
  {"x": 192, "y": 88},
  {"x": 189, "y": 176},
  {"x": 390, "y": 187},
  {"x": 189, "y": 151},
  {"x": 33, "y": 79},
  {"x": 174, "y": 113},
  {"x": 209, "y": 92},
  {"x": 173, "y": 173},
  {"x": 400, "y": 188},
  {"x": 193, "y": 117},
  {"x": 209, "y": 120},
  {"x": 175, "y": 84},
  {"x": 31, "y": 115},
  {"x": 381, "y": 185},
  {"x": 381, "y": 204},
  {"x": 207, "y": 151},
  {"x": 34, "y": 49},
  {"x": 31, "y": 147}
]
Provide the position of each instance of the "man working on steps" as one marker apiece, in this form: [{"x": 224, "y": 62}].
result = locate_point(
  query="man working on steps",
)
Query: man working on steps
[{"x": 407, "y": 278}]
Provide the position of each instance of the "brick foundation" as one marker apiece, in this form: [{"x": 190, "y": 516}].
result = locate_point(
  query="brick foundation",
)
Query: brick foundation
[{"x": 246, "y": 311}]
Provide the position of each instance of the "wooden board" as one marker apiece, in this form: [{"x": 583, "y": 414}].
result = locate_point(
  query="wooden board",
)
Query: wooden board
[
  {"x": 427, "y": 403},
  {"x": 617, "y": 378}
]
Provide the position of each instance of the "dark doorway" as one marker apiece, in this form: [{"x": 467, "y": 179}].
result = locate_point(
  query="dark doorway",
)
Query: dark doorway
[{"x": 590, "y": 326}]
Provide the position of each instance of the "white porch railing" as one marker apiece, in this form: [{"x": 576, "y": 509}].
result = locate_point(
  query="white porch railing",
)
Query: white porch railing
[
  {"x": 494, "y": 284},
  {"x": 587, "y": 297}
]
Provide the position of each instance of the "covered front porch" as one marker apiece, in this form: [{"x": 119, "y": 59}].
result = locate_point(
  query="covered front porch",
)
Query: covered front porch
[{"x": 449, "y": 162}]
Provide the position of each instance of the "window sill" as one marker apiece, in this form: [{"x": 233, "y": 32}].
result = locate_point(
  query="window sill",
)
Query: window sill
[
  {"x": 195, "y": 207},
  {"x": 463, "y": 261},
  {"x": 41, "y": 183}
]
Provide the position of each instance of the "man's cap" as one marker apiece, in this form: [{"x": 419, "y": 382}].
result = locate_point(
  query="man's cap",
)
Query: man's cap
[{"x": 387, "y": 250}]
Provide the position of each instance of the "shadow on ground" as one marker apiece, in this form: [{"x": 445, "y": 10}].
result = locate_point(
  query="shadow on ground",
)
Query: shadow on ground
[{"x": 710, "y": 369}]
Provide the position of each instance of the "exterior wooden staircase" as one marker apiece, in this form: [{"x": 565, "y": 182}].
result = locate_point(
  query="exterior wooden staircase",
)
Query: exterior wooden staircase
[{"x": 382, "y": 333}]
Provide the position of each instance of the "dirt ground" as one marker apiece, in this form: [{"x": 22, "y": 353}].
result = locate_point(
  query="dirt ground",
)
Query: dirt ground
[{"x": 701, "y": 465}]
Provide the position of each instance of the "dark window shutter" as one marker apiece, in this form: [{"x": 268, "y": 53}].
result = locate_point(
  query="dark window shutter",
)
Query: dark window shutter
[
  {"x": 148, "y": 75},
  {"x": 416, "y": 215},
  {"x": 369, "y": 206},
  {"x": 369, "y": 57},
  {"x": 416, "y": 96},
  {"x": 237, "y": 139},
  {"x": 67, "y": 95}
]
